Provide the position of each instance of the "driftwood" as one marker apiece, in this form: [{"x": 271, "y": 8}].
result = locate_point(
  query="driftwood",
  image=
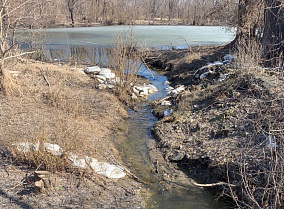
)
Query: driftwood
[
  {"x": 46, "y": 80},
  {"x": 18, "y": 55},
  {"x": 214, "y": 184},
  {"x": 44, "y": 182}
]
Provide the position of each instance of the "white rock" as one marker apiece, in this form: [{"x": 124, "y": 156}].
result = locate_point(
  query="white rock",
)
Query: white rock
[
  {"x": 135, "y": 90},
  {"x": 144, "y": 90},
  {"x": 169, "y": 88},
  {"x": 204, "y": 75},
  {"x": 180, "y": 89},
  {"x": 168, "y": 112},
  {"x": 101, "y": 86},
  {"x": 100, "y": 81},
  {"x": 110, "y": 86},
  {"x": 222, "y": 78},
  {"x": 166, "y": 103},
  {"x": 105, "y": 72},
  {"x": 228, "y": 58},
  {"x": 167, "y": 83},
  {"x": 100, "y": 77},
  {"x": 54, "y": 149},
  {"x": 152, "y": 89},
  {"x": 134, "y": 96},
  {"x": 111, "y": 171},
  {"x": 94, "y": 69},
  {"x": 218, "y": 63}
]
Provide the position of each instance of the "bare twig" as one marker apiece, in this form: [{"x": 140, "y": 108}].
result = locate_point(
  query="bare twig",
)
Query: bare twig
[
  {"x": 46, "y": 80},
  {"x": 18, "y": 55},
  {"x": 214, "y": 184}
]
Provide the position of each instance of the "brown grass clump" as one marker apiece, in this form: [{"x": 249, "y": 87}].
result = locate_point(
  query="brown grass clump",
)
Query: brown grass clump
[{"x": 60, "y": 106}]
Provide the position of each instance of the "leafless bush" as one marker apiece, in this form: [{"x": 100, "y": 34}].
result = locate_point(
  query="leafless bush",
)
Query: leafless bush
[
  {"x": 261, "y": 152},
  {"x": 126, "y": 61}
]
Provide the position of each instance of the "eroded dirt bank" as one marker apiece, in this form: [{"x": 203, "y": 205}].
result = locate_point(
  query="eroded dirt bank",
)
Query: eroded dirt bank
[
  {"x": 59, "y": 104},
  {"x": 226, "y": 130}
]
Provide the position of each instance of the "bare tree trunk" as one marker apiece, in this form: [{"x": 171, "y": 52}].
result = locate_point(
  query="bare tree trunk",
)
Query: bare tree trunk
[
  {"x": 71, "y": 7},
  {"x": 248, "y": 21},
  {"x": 273, "y": 35}
]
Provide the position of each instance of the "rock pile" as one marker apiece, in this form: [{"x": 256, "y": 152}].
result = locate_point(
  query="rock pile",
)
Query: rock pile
[{"x": 108, "y": 80}]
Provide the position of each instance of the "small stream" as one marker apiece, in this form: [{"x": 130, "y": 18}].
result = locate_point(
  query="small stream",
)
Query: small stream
[
  {"x": 139, "y": 152},
  {"x": 168, "y": 188}
]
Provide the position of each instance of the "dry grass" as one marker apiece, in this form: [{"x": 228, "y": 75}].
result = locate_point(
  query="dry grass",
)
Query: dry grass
[
  {"x": 126, "y": 60},
  {"x": 57, "y": 105}
]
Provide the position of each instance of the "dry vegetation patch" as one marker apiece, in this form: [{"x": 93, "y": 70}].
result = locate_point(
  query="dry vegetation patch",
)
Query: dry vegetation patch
[
  {"x": 60, "y": 106},
  {"x": 229, "y": 131}
]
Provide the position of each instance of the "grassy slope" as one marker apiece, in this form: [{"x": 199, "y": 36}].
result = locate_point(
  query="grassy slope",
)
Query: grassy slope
[{"x": 58, "y": 105}]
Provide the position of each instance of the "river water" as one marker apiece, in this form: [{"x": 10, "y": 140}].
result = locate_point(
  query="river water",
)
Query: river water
[{"x": 88, "y": 45}]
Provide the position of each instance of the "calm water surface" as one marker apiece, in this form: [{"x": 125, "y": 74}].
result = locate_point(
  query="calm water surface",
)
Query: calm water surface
[
  {"x": 150, "y": 36},
  {"x": 89, "y": 44}
]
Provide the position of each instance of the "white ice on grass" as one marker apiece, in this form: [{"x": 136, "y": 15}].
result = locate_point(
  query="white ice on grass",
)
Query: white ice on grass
[
  {"x": 26, "y": 146},
  {"x": 105, "y": 169},
  {"x": 111, "y": 171},
  {"x": 23, "y": 147},
  {"x": 79, "y": 163},
  {"x": 54, "y": 149}
]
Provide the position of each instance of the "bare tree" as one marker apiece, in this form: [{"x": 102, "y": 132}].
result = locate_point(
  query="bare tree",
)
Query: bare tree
[
  {"x": 273, "y": 35},
  {"x": 14, "y": 14},
  {"x": 71, "y": 7}
]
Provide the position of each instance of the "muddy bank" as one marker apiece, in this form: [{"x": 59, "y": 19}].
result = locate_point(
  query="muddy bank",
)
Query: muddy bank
[
  {"x": 220, "y": 130},
  {"x": 59, "y": 104}
]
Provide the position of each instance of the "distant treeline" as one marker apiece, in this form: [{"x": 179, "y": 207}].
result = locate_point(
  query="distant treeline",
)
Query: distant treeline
[{"x": 108, "y": 12}]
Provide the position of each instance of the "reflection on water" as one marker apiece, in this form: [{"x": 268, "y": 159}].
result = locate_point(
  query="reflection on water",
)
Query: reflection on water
[{"x": 94, "y": 55}]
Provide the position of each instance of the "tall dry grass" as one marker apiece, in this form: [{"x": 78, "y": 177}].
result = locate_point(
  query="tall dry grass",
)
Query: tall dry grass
[
  {"x": 59, "y": 106},
  {"x": 262, "y": 155},
  {"x": 126, "y": 61}
]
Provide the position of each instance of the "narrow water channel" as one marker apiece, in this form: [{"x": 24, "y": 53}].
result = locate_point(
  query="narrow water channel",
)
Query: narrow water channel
[{"x": 138, "y": 147}]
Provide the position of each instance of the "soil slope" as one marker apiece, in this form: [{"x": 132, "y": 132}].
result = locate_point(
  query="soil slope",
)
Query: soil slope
[{"x": 227, "y": 131}]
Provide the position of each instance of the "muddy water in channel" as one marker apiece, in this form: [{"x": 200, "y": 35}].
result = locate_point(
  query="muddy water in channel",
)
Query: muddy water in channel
[{"x": 169, "y": 187}]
